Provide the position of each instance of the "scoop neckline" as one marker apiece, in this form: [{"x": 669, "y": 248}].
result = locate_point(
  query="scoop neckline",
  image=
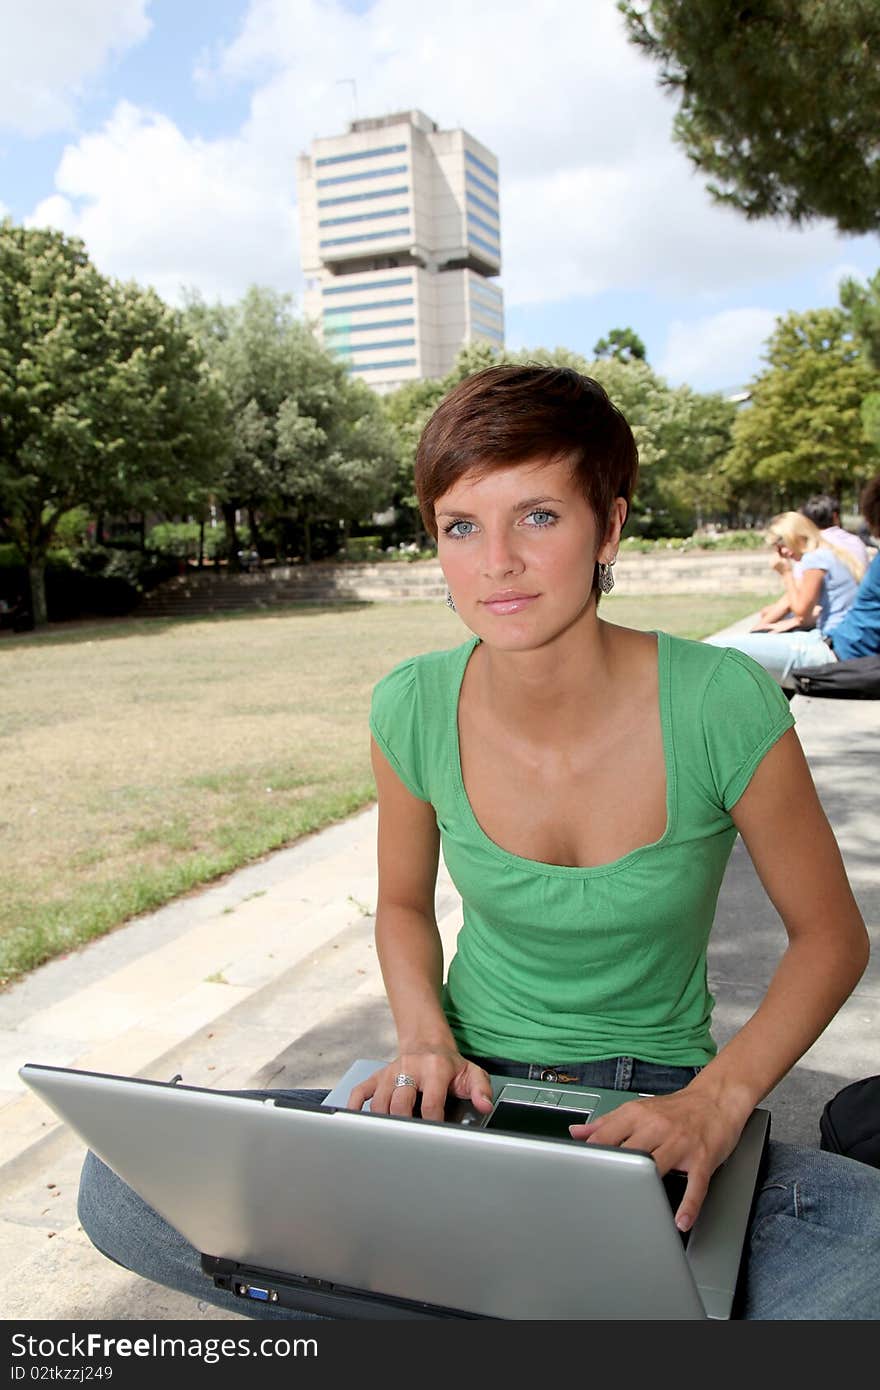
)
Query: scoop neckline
[{"x": 539, "y": 866}]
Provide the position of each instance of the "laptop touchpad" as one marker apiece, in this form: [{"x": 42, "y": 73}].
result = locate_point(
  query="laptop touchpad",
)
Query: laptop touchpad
[{"x": 545, "y": 1121}]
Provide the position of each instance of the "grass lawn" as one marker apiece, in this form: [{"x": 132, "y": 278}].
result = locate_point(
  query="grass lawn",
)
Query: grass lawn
[{"x": 139, "y": 759}]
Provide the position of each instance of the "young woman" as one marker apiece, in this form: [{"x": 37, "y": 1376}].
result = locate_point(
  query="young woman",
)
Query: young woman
[
  {"x": 586, "y": 783},
  {"x": 820, "y": 578}
]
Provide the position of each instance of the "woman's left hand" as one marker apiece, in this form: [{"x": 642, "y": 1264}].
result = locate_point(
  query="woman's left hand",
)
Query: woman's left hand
[
  {"x": 780, "y": 564},
  {"x": 684, "y": 1131}
]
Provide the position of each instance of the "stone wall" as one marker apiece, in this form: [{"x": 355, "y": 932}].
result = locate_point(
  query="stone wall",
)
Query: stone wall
[{"x": 209, "y": 591}]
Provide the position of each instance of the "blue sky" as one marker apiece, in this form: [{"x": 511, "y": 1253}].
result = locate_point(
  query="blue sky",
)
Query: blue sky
[{"x": 165, "y": 133}]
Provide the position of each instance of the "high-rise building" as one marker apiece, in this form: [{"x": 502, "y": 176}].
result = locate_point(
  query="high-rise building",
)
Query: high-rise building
[{"x": 400, "y": 246}]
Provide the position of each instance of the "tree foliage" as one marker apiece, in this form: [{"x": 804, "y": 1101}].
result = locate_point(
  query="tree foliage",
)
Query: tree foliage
[
  {"x": 682, "y": 436},
  {"x": 802, "y": 432},
  {"x": 103, "y": 400},
  {"x": 778, "y": 100},
  {"x": 302, "y": 436},
  {"x": 862, "y": 304},
  {"x": 622, "y": 343}
]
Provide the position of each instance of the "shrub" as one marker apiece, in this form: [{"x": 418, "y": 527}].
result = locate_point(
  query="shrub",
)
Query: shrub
[
  {"x": 181, "y": 539},
  {"x": 361, "y": 549}
]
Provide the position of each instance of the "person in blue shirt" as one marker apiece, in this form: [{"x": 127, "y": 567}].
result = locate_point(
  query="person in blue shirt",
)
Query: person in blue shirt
[{"x": 858, "y": 634}]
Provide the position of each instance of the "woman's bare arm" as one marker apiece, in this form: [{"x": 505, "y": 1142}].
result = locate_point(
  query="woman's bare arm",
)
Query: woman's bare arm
[
  {"x": 799, "y": 863},
  {"x": 411, "y": 958},
  {"x": 802, "y": 595}
]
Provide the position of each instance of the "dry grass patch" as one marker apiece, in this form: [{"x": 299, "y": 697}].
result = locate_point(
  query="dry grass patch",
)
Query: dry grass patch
[{"x": 141, "y": 759}]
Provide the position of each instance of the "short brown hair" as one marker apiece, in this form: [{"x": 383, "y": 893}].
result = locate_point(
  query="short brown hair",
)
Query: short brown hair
[
  {"x": 870, "y": 504},
  {"x": 510, "y": 414}
]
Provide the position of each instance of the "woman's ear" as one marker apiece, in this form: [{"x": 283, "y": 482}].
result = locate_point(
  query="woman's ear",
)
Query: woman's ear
[{"x": 609, "y": 547}]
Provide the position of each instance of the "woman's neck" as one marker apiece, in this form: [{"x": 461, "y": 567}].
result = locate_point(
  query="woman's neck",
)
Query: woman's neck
[{"x": 557, "y": 686}]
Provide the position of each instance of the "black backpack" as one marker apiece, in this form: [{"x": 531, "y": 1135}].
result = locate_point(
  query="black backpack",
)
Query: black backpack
[
  {"x": 850, "y": 1122},
  {"x": 857, "y": 679}
]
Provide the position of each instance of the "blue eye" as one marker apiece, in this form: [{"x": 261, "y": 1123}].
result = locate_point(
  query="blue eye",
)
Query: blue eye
[
  {"x": 542, "y": 517},
  {"x": 453, "y": 531}
]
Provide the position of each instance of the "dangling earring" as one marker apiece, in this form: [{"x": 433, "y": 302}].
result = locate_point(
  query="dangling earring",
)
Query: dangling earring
[
  {"x": 606, "y": 576},
  {"x": 450, "y": 601}
]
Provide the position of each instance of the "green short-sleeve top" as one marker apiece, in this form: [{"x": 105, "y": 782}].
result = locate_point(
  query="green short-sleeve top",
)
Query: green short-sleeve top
[{"x": 555, "y": 963}]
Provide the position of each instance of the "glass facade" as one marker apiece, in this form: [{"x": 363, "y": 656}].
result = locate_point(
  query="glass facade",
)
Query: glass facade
[
  {"x": 364, "y": 197},
  {"x": 365, "y": 236},
  {"x": 370, "y": 285},
  {"x": 478, "y": 203},
  {"x": 367, "y": 327},
  {"x": 346, "y": 348},
  {"x": 479, "y": 164},
  {"x": 362, "y": 154},
  {"x": 363, "y": 216},
  {"x": 364, "y": 174},
  {"x": 371, "y": 307},
  {"x": 383, "y": 366},
  {"x": 478, "y": 183},
  {"x": 493, "y": 249},
  {"x": 481, "y": 222}
]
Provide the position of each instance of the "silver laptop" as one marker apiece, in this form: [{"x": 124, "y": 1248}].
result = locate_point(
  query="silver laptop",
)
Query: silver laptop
[{"x": 349, "y": 1214}]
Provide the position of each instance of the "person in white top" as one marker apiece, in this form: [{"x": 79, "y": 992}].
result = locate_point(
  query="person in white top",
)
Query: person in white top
[{"x": 824, "y": 512}]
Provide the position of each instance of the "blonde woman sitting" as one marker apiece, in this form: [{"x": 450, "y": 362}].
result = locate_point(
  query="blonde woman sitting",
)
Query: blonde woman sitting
[{"x": 818, "y": 596}]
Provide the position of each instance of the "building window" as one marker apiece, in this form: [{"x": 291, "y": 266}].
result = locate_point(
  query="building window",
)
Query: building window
[
  {"x": 487, "y": 330},
  {"x": 478, "y": 183},
  {"x": 343, "y": 349},
  {"x": 366, "y": 236},
  {"x": 364, "y": 197},
  {"x": 364, "y": 217},
  {"x": 372, "y": 285},
  {"x": 481, "y": 287},
  {"x": 486, "y": 246},
  {"x": 369, "y": 308},
  {"x": 365, "y": 174},
  {"x": 361, "y": 154},
  {"x": 478, "y": 202},
  {"x": 476, "y": 221},
  {"x": 367, "y": 327},
  {"x": 479, "y": 306},
  {"x": 478, "y": 164},
  {"x": 381, "y": 366}
]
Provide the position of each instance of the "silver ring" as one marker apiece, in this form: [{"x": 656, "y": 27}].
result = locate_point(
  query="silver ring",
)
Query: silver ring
[{"x": 403, "y": 1079}]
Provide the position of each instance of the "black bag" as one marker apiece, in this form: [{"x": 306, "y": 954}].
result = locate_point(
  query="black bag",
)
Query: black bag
[
  {"x": 850, "y": 1122},
  {"x": 858, "y": 679}
]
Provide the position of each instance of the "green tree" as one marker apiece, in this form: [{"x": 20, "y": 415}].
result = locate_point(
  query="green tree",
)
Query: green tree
[
  {"x": 683, "y": 438},
  {"x": 802, "y": 431},
  {"x": 695, "y": 432},
  {"x": 778, "y": 100},
  {"x": 622, "y": 343},
  {"x": 302, "y": 435},
  {"x": 862, "y": 304},
  {"x": 103, "y": 401}
]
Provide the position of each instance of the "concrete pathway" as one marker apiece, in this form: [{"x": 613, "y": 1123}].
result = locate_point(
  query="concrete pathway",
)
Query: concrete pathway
[{"x": 270, "y": 978}]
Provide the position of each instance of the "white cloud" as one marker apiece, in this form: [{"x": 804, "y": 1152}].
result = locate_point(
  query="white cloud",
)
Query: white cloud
[
  {"x": 726, "y": 346},
  {"x": 173, "y": 212},
  {"x": 49, "y": 50},
  {"x": 595, "y": 198}
]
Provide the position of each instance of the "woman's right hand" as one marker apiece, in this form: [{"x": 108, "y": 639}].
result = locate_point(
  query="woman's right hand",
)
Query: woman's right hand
[{"x": 436, "y": 1074}]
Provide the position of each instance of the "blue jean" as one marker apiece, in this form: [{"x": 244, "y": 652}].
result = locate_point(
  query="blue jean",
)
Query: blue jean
[
  {"x": 814, "y": 1240},
  {"x": 778, "y": 652}
]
